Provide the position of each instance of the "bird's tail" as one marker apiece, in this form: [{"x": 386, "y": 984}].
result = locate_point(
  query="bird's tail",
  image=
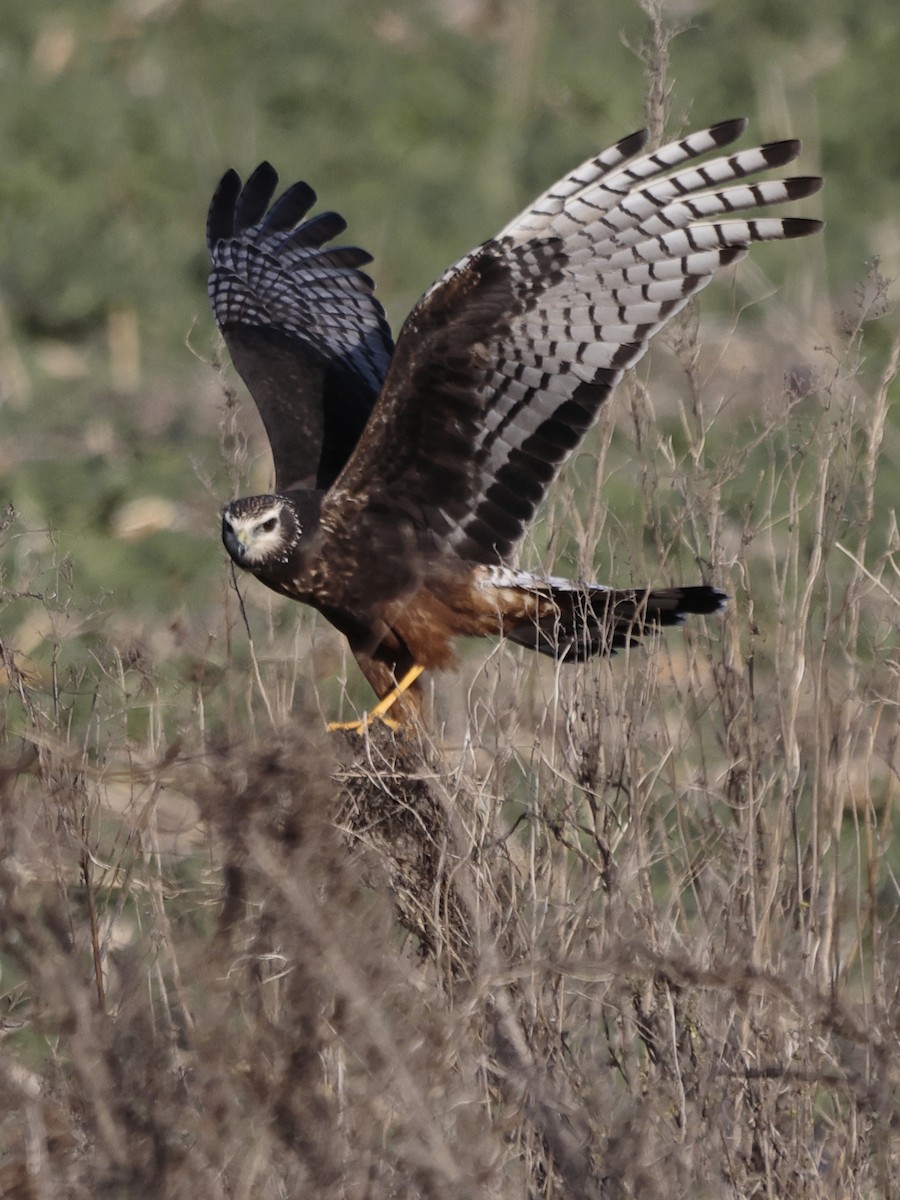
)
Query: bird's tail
[{"x": 582, "y": 620}]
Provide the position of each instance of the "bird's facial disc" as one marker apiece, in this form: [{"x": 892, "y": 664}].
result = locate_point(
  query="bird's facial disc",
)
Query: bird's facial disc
[{"x": 254, "y": 536}]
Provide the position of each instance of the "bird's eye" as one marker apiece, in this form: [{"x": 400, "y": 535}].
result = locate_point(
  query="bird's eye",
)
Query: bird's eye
[{"x": 270, "y": 525}]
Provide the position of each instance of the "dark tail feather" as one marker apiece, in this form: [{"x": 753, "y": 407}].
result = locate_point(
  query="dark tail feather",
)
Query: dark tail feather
[{"x": 591, "y": 620}]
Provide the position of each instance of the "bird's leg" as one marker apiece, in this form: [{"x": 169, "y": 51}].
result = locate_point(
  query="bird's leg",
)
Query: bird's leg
[
  {"x": 382, "y": 706},
  {"x": 396, "y": 692}
]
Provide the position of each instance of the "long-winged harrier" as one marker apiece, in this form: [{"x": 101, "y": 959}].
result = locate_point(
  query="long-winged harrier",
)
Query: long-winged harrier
[{"x": 406, "y": 476}]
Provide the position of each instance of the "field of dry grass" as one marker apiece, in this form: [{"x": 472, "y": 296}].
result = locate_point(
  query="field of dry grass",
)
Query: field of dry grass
[{"x": 621, "y": 930}]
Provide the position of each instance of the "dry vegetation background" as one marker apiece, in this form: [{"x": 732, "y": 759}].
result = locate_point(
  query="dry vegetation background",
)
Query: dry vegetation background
[{"x": 623, "y": 930}]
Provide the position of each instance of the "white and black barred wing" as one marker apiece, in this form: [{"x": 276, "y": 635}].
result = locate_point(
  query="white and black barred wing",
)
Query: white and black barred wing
[
  {"x": 506, "y": 361},
  {"x": 300, "y": 320}
]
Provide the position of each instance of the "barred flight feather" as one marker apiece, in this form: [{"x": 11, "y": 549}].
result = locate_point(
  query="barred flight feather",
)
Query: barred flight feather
[{"x": 565, "y": 299}]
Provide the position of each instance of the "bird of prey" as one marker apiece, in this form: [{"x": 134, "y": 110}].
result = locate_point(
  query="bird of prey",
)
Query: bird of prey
[{"x": 405, "y": 476}]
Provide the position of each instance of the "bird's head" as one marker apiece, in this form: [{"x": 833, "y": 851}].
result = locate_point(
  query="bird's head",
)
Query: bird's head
[{"x": 260, "y": 531}]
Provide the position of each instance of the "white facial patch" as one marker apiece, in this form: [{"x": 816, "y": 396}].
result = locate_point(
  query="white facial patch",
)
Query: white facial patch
[{"x": 255, "y": 537}]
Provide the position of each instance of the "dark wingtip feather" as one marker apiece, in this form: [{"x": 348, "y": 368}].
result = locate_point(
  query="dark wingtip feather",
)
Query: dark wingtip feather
[
  {"x": 256, "y": 196},
  {"x": 319, "y": 230},
  {"x": 220, "y": 218},
  {"x": 290, "y": 208},
  {"x": 347, "y": 258},
  {"x": 803, "y": 185},
  {"x": 796, "y": 227},
  {"x": 633, "y": 143},
  {"x": 777, "y": 154},
  {"x": 728, "y": 131}
]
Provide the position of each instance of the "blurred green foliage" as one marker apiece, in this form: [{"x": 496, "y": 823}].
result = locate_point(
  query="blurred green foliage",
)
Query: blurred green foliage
[
  {"x": 118, "y": 118},
  {"x": 427, "y": 124}
]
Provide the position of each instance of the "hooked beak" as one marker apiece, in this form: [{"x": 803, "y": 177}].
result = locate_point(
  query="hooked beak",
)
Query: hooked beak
[{"x": 236, "y": 542}]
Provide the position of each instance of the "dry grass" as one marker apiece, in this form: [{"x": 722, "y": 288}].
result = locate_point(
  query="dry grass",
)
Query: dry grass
[{"x": 625, "y": 930}]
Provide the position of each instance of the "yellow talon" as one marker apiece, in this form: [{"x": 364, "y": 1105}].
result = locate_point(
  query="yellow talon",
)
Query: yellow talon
[{"x": 381, "y": 707}]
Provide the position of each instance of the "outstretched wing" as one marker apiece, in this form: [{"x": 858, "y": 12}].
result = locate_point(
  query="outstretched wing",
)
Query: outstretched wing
[
  {"x": 300, "y": 321},
  {"x": 505, "y": 362}
]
